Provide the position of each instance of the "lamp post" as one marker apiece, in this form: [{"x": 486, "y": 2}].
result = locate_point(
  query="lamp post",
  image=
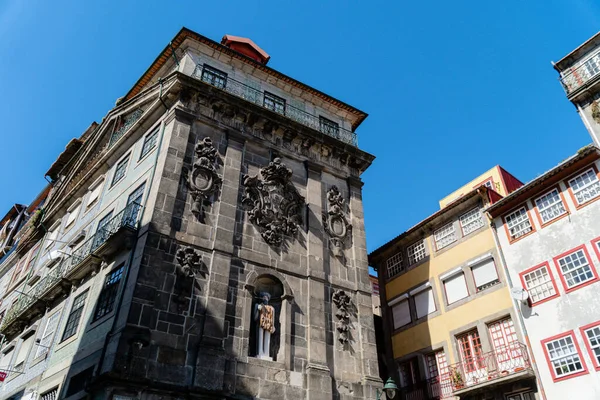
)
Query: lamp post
[{"x": 389, "y": 389}]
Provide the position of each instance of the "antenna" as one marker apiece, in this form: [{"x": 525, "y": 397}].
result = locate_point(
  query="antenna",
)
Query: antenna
[{"x": 519, "y": 294}]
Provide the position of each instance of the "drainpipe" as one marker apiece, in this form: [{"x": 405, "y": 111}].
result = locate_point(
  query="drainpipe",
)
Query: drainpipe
[{"x": 517, "y": 308}]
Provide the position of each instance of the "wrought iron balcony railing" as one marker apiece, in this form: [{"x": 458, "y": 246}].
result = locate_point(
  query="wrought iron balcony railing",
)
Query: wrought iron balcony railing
[
  {"x": 488, "y": 367},
  {"x": 576, "y": 77},
  {"x": 257, "y": 97},
  {"x": 430, "y": 389}
]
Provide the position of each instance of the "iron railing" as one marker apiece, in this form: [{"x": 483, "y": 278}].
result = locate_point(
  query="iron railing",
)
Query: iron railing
[
  {"x": 430, "y": 389},
  {"x": 128, "y": 217},
  {"x": 257, "y": 97},
  {"x": 507, "y": 360},
  {"x": 127, "y": 123},
  {"x": 576, "y": 77}
]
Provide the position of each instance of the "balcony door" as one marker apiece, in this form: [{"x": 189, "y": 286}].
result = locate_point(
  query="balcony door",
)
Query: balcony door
[
  {"x": 438, "y": 375},
  {"x": 473, "y": 364},
  {"x": 508, "y": 351},
  {"x": 102, "y": 231},
  {"x": 409, "y": 373}
]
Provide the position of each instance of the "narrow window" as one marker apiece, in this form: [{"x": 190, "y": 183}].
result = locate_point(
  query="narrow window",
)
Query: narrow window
[
  {"x": 550, "y": 206},
  {"x": 274, "y": 103},
  {"x": 134, "y": 202},
  {"x": 485, "y": 274},
  {"x": 329, "y": 127},
  {"x": 445, "y": 236},
  {"x": 149, "y": 142},
  {"x": 51, "y": 238},
  {"x": 424, "y": 303},
  {"x": 539, "y": 283},
  {"x": 23, "y": 352},
  {"x": 74, "y": 316},
  {"x": 585, "y": 187},
  {"x": 214, "y": 77},
  {"x": 46, "y": 340},
  {"x": 456, "y": 288},
  {"x": 72, "y": 215},
  {"x": 470, "y": 351},
  {"x": 518, "y": 223},
  {"x": 564, "y": 357},
  {"x": 103, "y": 231},
  {"x": 394, "y": 265},
  {"x": 108, "y": 295},
  {"x": 471, "y": 221},
  {"x": 401, "y": 314},
  {"x": 416, "y": 252},
  {"x": 120, "y": 170},
  {"x": 94, "y": 195}
]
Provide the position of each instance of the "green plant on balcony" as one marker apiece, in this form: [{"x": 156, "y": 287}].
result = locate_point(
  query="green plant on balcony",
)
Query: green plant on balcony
[
  {"x": 456, "y": 379},
  {"x": 596, "y": 111}
]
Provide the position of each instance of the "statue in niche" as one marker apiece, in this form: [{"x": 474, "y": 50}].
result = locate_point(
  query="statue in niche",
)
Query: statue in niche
[
  {"x": 203, "y": 179},
  {"x": 264, "y": 315}
]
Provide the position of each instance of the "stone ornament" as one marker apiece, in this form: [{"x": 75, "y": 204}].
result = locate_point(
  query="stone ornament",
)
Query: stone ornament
[
  {"x": 335, "y": 222},
  {"x": 343, "y": 304},
  {"x": 190, "y": 262},
  {"x": 203, "y": 179},
  {"x": 273, "y": 202}
]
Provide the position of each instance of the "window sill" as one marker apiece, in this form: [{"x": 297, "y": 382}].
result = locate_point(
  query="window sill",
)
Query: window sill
[{"x": 575, "y": 375}]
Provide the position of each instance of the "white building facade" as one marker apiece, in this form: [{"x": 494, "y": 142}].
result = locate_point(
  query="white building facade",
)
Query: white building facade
[{"x": 549, "y": 233}]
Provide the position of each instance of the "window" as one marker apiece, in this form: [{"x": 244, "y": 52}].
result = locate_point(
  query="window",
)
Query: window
[
  {"x": 149, "y": 142},
  {"x": 120, "y": 170},
  {"x": 456, "y": 288},
  {"x": 503, "y": 334},
  {"x": 214, "y": 77},
  {"x": 94, "y": 194},
  {"x": 31, "y": 258},
  {"x": 78, "y": 382},
  {"x": 6, "y": 358},
  {"x": 445, "y": 236},
  {"x": 409, "y": 373},
  {"x": 416, "y": 252},
  {"x": 424, "y": 302},
  {"x": 564, "y": 357},
  {"x": 437, "y": 368},
  {"x": 539, "y": 283},
  {"x": 485, "y": 274},
  {"x": 102, "y": 231},
  {"x": 106, "y": 300},
  {"x": 394, "y": 265},
  {"x": 575, "y": 268},
  {"x": 521, "y": 396},
  {"x": 401, "y": 314},
  {"x": 592, "y": 67},
  {"x": 137, "y": 195},
  {"x": 469, "y": 345},
  {"x": 329, "y": 127},
  {"x": 550, "y": 206},
  {"x": 74, "y": 316},
  {"x": 471, "y": 221},
  {"x": 19, "y": 364},
  {"x": 591, "y": 337},
  {"x": 46, "y": 340},
  {"x": 518, "y": 223},
  {"x": 585, "y": 187},
  {"x": 18, "y": 270},
  {"x": 50, "y": 395},
  {"x": 72, "y": 215},
  {"x": 51, "y": 239},
  {"x": 134, "y": 201},
  {"x": 274, "y": 103}
]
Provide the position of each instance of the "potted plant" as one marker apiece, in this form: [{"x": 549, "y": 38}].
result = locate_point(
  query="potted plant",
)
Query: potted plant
[{"x": 456, "y": 379}]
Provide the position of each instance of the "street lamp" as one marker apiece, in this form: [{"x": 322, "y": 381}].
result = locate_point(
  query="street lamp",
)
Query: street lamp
[{"x": 389, "y": 389}]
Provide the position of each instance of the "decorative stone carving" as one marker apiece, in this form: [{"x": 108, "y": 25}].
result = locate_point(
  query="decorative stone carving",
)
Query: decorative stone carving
[
  {"x": 190, "y": 262},
  {"x": 274, "y": 204},
  {"x": 335, "y": 222},
  {"x": 203, "y": 179},
  {"x": 343, "y": 304}
]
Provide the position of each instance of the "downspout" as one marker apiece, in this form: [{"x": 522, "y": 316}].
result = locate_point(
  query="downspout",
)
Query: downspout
[{"x": 517, "y": 308}]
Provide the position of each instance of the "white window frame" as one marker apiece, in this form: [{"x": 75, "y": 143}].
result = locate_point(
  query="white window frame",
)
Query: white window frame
[
  {"x": 490, "y": 283},
  {"x": 594, "y": 348},
  {"x": 468, "y": 223},
  {"x": 586, "y": 186},
  {"x": 95, "y": 187},
  {"x": 414, "y": 255},
  {"x": 397, "y": 302},
  {"x": 72, "y": 215},
  {"x": 574, "y": 267},
  {"x": 542, "y": 209},
  {"x": 523, "y": 231},
  {"x": 47, "y": 337},
  {"x": 420, "y": 291},
  {"x": 52, "y": 235},
  {"x": 445, "y": 236},
  {"x": 571, "y": 357},
  {"x": 533, "y": 289},
  {"x": 450, "y": 276},
  {"x": 394, "y": 264}
]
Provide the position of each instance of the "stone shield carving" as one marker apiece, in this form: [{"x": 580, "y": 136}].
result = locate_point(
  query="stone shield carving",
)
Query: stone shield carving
[
  {"x": 335, "y": 222},
  {"x": 343, "y": 304},
  {"x": 203, "y": 179},
  {"x": 273, "y": 202}
]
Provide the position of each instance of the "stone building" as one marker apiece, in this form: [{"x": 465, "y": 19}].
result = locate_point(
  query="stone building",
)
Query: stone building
[{"x": 205, "y": 240}]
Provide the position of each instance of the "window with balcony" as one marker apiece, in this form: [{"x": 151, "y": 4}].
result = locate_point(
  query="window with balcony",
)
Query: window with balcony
[
  {"x": 539, "y": 283},
  {"x": 485, "y": 274},
  {"x": 416, "y": 252},
  {"x": 409, "y": 373},
  {"x": 564, "y": 357},
  {"x": 585, "y": 187},
  {"x": 550, "y": 206},
  {"x": 444, "y": 236},
  {"x": 74, "y": 316},
  {"x": 575, "y": 268},
  {"x": 102, "y": 231},
  {"x": 274, "y": 103},
  {"x": 394, "y": 265},
  {"x": 401, "y": 313},
  {"x": 120, "y": 170},
  {"x": 149, "y": 142},
  {"x": 471, "y": 221},
  {"x": 518, "y": 223},
  {"x": 455, "y": 287},
  {"x": 214, "y": 77},
  {"x": 106, "y": 300},
  {"x": 48, "y": 334},
  {"x": 591, "y": 337},
  {"x": 94, "y": 194},
  {"x": 329, "y": 127},
  {"x": 438, "y": 371}
]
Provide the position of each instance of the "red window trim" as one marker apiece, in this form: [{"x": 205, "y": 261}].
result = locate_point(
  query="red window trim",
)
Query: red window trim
[
  {"x": 547, "y": 265},
  {"x": 533, "y": 229},
  {"x": 490, "y": 179},
  {"x": 596, "y": 246},
  {"x": 588, "y": 346},
  {"x": 562, "y": 278},
  {"x": 551, "y": 368},
  {"x": 537, "y": 211},
  {"x": 573, "y": 198}
]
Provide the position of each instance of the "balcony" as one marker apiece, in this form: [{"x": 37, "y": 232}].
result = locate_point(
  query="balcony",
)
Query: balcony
[
  {"x": 257, "y": 97},
  {"x": 496, "y": 367},
  {"x": 576, "y": 77},
  {"x": 116, "y": 234},
  {"x": 430, "y": 389}
]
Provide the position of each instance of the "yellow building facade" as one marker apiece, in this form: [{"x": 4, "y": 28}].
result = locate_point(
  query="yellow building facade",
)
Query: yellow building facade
[{"x": 451, "y": 327}]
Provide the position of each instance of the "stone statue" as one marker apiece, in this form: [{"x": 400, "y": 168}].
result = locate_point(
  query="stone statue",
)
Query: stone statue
[{"x": 264, "y": 315}]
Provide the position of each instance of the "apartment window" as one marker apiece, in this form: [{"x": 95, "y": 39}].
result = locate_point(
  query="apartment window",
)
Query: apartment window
[
  {"x": 471, "y": 221},
  {"x": 591, "y": 337},
  {"x": 469, "y": 345},
  {"x": 137, "y": 195},
  {"x": 409, "y": 373},
  {"x": 214, "y": 77},
  {"x": 51, "y": 239},
  {"x": 26, "y": 343},
  {"x": 134, "y": 201},
  {"x": 149, "y": 142},
  {"x": 539, "y": 283},
  {"x": 33, "y": 253},
  {"x": 120, "y": 170},
  {"x": 103, "y": 230},
  {"x": 108, "y": 295},
  {"x": 445, "y": 236},
  {"x": 7, "y": 355},
  {"x": 575, "y": 268},
  {"x": 485, "y": 274},
  {"x": 394, "y": 265},
  {"x": 585, "y": 187},
  {"x": 518, "y": 223},
  {"x": 550, "y": 206},
  {"x": 46, "y": 339},
  {"x": 74, "y": 210},
  {"x": 17, "y": 271},
  {"x": 74, "y": 316},
  {"x": 416, "y": 252},
  {"x": 94, "y": 194},
  {"x": 456, "y": 288},
  {"x": 329, "y": 127},
  {"x": 564, "y": 357},
  {"x": 521, "y": 396},
  {"x": 424, "y": 302},
  {"x": 77, "y": 382},
  {"x": 274, "y": 103},
  {"x": 503, "y": 334},
  {"x": 401, "y": 314},
  {"x": 50, "y": 395},
  {"x": 592, "y": 67},
  {"x": 489, "y": 184},
  {"x": 437, "y": 369}
]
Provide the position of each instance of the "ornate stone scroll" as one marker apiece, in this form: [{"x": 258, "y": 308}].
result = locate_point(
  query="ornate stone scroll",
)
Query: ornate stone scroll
[
  {"x": 335, "y": 222},
  {"x": 190, "y": 263},
  {"x": 343, "y": 304},
  {"x": 203, "y": 179},
  {"x": 273, "y": 202}
]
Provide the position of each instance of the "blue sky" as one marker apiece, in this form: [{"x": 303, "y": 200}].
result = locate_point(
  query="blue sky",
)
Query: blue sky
[{"x": 452, "y": 88}]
